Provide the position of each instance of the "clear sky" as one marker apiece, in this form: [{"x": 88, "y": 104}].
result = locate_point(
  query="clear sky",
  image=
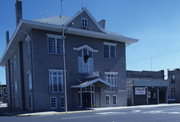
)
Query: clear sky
[{"x": 156, "y": 23}]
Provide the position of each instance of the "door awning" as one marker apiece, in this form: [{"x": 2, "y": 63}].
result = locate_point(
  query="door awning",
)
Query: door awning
[{"x": 97, "y": 81}]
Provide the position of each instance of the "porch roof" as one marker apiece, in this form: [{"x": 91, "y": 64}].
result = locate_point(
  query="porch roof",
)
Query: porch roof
[{"x": 90, "y": 82}]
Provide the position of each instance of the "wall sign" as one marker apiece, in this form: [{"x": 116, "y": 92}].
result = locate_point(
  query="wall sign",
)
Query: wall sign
[{"x": 140, "y": 90}]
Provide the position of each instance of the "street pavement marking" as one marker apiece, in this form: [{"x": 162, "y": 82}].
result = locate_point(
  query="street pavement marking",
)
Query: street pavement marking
[
  {"x": 95, "y": 115},
  {"x": 110, "y": 113},
  {"x": 136, "y": 111}
]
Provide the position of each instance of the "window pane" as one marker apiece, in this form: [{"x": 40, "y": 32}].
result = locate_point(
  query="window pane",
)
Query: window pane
[
  {"x": 59, "y": 46},
  {"x": 51, "y": 45},
  {"x": 113, "y": 51},
  {"x": 106, "y": 51}
]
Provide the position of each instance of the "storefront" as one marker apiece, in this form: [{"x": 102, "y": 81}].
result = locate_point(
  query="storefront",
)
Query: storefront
[{"x": 142, "y": 92}]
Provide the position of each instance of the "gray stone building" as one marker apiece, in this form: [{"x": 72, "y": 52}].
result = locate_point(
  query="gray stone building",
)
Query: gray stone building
[
  {"x": 174, "y": 90},
  {"x": 147, "y": 87},
  {"x": 41, "y": 63}
]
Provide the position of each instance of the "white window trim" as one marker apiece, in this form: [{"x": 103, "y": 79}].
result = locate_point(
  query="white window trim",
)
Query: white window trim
[
  {"x": 28, "y": 45},
  {"x": 29, "y": 72},
  {"x": 55, "y": 104},
  {"x": 54, "y": 36},
  {"x": 111, "y": 73},
  {"x": 109, "y": 99},
  {"x": 56, "y": 70},
  {"x": 109, "y": 43},
  {"x": 116, "y": 99},
  {"x": 85, "y": 47}
]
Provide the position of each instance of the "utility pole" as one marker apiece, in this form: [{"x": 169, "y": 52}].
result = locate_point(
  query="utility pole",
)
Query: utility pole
[
  {"x": 1, "y": 88},
  {"x": 64, "y": 28},
  {"x": 64, "y": 68}
]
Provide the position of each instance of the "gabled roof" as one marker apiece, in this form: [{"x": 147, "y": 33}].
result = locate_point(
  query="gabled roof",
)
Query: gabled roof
[
  {"x": 89, "y": 14},
  {"x": 90, "y": 82}
]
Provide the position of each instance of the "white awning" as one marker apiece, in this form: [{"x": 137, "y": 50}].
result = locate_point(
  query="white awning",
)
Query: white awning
[{"x": 90, "y": 82}]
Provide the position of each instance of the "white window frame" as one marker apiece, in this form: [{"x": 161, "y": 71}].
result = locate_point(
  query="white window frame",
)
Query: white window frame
[
  {"x": 29, "y": 79},
  {"x": 15, "y": 87},
  {"x": 28, "y": 45},
  {"x": 82, "y": 67},
  {"x": 84, "y": 22},
  {"x": 55, "y": 103},
  {"x": 113, "y": 100},
  {"x": 51, "y": 82},
  {"x": 108, "y": 100},
  {"x": 109, "y": 51},
  {"x": 56, "y": 37},
  {"x": 115, "y": 75}
]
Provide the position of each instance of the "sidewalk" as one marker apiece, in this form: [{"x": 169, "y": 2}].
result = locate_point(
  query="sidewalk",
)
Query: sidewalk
[{"x": 47, "y": 113}]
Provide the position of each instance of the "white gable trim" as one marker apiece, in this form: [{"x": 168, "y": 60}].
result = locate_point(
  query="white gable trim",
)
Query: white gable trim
[
  {"x": 85, "y": 84},
  {"x": 86, "y": 47},
  {"x": 89, "y": 14}
]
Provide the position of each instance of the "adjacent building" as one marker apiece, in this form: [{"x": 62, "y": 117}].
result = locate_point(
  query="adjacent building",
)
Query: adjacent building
[
  {"x": 174, "y": 87},
  {"x": 147, "y": 87},
  {"x": 47, "y": 55}
]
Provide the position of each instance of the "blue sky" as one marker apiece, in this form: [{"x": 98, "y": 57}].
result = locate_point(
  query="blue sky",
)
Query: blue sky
[{"x": 156, "y": 23}]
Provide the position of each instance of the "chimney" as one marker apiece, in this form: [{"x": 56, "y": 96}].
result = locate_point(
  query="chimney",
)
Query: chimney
[
  {"x": 7, "y": 38},
  {"x": 102, "y": 23},
  {"x": 18, "y": 6}
]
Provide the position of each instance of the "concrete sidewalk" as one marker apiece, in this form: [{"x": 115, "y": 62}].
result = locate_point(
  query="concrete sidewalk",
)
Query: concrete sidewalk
[{"x": 93, "y": 110}]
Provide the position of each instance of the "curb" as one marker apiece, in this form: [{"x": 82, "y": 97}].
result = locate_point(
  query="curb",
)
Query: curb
[{"x": 93, "y": 110}]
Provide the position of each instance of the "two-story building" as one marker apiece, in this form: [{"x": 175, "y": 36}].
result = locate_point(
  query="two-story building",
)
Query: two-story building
[
  {"x": 49, "y": 57},
  {"x": 174, "y": 90}
]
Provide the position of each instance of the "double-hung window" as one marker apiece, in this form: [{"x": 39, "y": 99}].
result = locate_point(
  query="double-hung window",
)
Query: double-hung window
[
  {"x": 53, "y": 102},
  {"x": 111, "y": 78},
  {"x": 109, "y": 50},
  {"x": 55, "y": 81},
  {"x": 55, "y": 44},
  {"x": 107, "y": 99},
  {"x": 62, "y": 100},
  {"x": 84, "y": 22}
]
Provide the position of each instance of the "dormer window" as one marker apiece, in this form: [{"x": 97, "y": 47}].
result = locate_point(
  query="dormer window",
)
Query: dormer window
[{"x": 84, "y": 22}]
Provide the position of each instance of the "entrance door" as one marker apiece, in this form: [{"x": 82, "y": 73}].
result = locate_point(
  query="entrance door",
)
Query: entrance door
[
  {"x": 162, "y": 95},
  {"x": 152, "y": 99},
  {"x": 86, "y": 100}
]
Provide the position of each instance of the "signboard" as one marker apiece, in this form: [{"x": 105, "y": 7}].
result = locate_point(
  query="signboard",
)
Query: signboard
[{"x": 140, "y": 90}]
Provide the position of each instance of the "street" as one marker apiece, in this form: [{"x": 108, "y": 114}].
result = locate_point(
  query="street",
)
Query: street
[{"x": 157, "y": 114}]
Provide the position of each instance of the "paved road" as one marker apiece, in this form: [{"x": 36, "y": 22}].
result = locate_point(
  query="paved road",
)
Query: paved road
[{"x": 159, "y": 114}]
